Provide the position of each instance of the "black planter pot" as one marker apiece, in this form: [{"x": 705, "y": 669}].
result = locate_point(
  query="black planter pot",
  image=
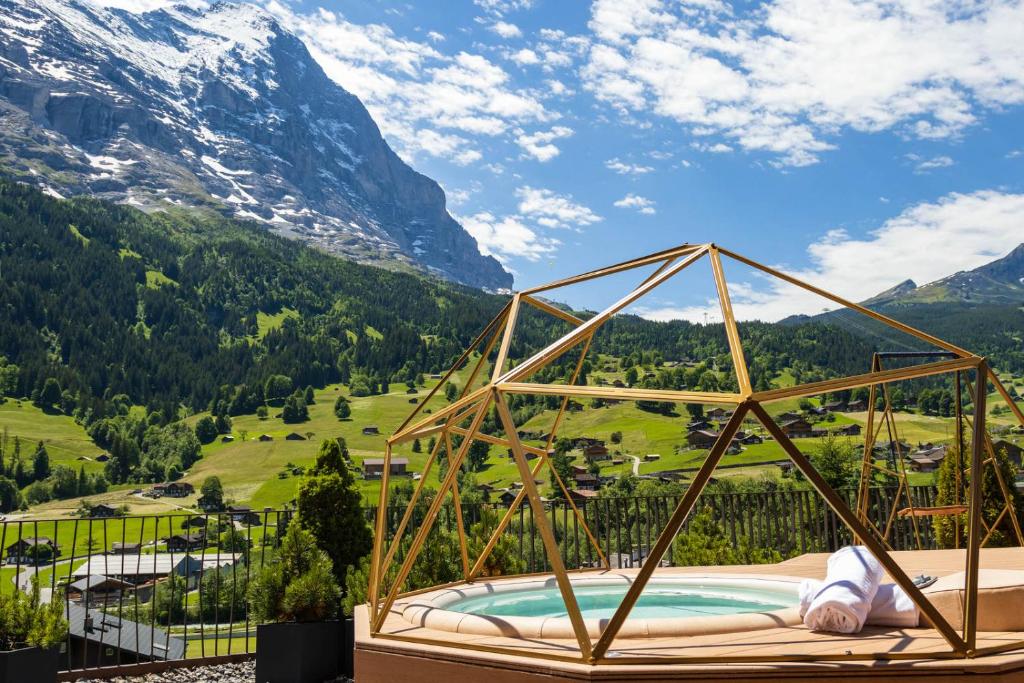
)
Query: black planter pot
[
  {"x": 298, "y": 653},
  {"x": 29, "y": 664},
  {"x": 347, "y": 656}
]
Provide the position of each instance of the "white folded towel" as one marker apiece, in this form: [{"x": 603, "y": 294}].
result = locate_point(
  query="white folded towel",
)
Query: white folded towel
[
  {"x": 844, "y": 601},
  {"x": 891, "y": 606}
]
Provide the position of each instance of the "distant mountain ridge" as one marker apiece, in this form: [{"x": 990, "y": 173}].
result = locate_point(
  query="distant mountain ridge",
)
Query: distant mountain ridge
[
  {"x": 219, "y": 109},
  {"x": 998, "y": 282}
]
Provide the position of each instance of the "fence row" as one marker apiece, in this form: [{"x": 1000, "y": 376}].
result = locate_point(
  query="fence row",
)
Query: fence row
[{"x": 139, "y": 589}]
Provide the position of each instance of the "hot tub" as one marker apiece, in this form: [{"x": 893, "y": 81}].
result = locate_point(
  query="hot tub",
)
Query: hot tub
[{"x": 670, "y": 605}]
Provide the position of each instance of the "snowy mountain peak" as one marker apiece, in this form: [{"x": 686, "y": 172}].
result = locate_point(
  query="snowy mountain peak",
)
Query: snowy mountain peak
[{"x": 216, "y": 107}]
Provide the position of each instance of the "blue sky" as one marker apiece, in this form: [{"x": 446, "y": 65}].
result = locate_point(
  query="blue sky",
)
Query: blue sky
[{"x": 817, "y": 135}]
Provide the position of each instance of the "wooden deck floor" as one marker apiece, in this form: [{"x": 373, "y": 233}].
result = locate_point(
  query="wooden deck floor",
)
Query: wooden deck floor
[{"x": 927, "y": 649}]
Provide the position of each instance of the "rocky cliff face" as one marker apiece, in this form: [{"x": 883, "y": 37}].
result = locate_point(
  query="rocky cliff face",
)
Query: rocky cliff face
[{"x": 219, "y": 109}]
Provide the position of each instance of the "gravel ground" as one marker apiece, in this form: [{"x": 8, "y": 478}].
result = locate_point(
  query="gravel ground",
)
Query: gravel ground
[{"x": 240, "y": 672}]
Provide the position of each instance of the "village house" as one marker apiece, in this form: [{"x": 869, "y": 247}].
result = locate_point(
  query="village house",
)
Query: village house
[
  {"x": 506, "y": 497},
  {"x": 788, "y": 416},
  {"x": 927, "y": 459},
  {"x": 370, "y": 430},
  {"x": 102, "y": 510},
  {"x": 179, "y": 489},
  {"x": 227, "y": 438},
  {"x": 93, "y": 591},
  {"x": 797, "y": 429},
  {"x": 182, "y": 543},
  {"x": 848, "y": 430},
  {"x": 119, "y": 548},
  {"x": 580, "y": 497},
  {"x": 751, "y": 439},
  {"x": 373, "y": 468},
  {"x": 587, "y": 481},
  {"x": 1012, "y": 450},
  {"x": 265, "y": 437},
  {"x": 596, "y": 452},
  {"x": 718, "y": 414},
  {"x": 701, "y": 438},
  {"x": 697, "y": 425},
  {"x": 243, "y": 515},
  {"x": 294, "y": 436},
  {"x": 856, "y": 406},
  {"x": 23, "y": 550}
]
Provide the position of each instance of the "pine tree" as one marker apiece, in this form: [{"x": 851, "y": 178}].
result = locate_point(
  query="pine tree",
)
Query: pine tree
[
  {"x": 330, "y": 507},
  {"x": 40, "y": 463}
]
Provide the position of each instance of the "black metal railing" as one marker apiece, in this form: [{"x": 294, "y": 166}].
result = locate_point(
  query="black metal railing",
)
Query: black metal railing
[{"x": 141, "y": 589}]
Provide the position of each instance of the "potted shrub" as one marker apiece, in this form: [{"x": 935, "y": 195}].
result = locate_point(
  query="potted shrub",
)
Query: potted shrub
[
  {"x": 30, "y": 633},
  {"x": 297, "y": 596}
]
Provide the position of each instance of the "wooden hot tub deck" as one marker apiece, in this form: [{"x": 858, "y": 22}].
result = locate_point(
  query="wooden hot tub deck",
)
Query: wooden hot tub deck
[{"x": 380, "y": 659}]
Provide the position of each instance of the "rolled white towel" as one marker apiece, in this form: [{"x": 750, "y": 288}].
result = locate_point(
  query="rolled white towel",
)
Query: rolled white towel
[
  {"x": 891, "y": 606},
  {"x": 844, "y": 601}
]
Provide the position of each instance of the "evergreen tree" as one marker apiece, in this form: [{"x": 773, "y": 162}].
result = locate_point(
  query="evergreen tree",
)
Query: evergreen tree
[
  {"x": 10, "y": 496},
  {"x": 330, "y": 507},
  {"x": 40, "y": 463}
]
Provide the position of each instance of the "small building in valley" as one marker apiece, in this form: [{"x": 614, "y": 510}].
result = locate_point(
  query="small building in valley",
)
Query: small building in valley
[
  {"x": 181, "y": 543},
  {"x": 701, "y": 438},
  {"x": 24, "y": 550},
  {"x": 97, "y": 590},
  {"x": 848, "y": 430},
  {"x": 797, "y": 429},
  {"x": 102, "y": 510},
  {"x": 373, "y": 468},
  {"x": 596, "y": 452},
  {"x": 1014, "y": 452}
]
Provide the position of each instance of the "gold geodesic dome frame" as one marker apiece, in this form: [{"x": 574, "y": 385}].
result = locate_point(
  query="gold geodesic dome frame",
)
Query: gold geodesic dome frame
[{"x": 473, "y": 405}]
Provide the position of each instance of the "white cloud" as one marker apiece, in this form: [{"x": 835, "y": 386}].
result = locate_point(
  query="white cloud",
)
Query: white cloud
[
  {"x": 507, "y": 237},
  {"x": 506, "y": 29},
  {"x": 553, "y": 210},
  {"x": 633, "y": 201},
  {"x": 435, "y": 36},
  {"x": 791, "y": 75},
  {"x": 525, "y": 57},
  {"x": 425, "y": 101},
  {"x": 558, "y": 88},
  {"x": 503, "y": 6},
  {"x": 457, "y": 196},
  {"x": 539, "y": 145},
  {"x": 624, "y": 167},
  {"x": 958, "y": 232},
  {"x": 922, "y": 165}
]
